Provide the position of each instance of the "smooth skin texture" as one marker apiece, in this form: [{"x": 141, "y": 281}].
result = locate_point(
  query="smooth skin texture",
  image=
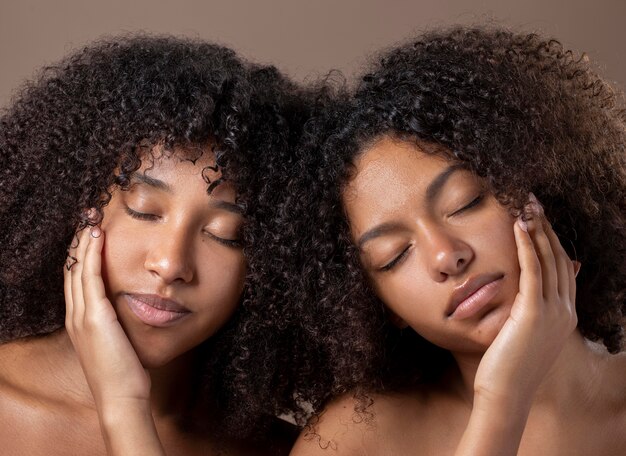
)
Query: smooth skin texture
[
  {"x": 525, "y": 381},
  {"x": 188, "y": 253},
  {"x": 121, "y": 377}
]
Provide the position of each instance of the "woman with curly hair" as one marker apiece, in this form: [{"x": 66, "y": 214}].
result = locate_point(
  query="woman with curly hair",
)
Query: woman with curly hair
[
  {"x": 146, "y": 156},
  {"x": 461, "y": 232}
]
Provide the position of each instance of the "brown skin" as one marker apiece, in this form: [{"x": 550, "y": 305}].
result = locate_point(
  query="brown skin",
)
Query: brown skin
[
  {"x": 56, "y": 399},
  {"x": 176, "y": 252},
  {"x": 434, "y": 244},
  {"x": 525, "y": 381}
]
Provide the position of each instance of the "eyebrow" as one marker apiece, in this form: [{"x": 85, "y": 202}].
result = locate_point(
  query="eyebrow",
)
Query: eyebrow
[
  {"x": 230, "y": 207},
  {"x": 434, "y": 188},
  {"x": 432, "y": 191},
  {"x": 377, "y": 231},
  {"x": 152, "y": 182}
]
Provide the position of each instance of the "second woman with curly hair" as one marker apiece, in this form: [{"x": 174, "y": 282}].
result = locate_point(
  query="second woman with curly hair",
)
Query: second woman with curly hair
[
  {"x": 441, "y": 313},
  {"x": 144, "y": 155}
]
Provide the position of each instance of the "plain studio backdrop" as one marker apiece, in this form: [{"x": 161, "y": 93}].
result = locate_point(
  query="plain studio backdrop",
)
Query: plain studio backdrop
[{"x": 305, "y": 39}]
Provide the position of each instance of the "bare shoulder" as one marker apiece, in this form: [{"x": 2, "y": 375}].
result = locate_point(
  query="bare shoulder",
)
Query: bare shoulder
[
  {"x": 14, "y": 357},
  {"x": 25, "y": 365},
  {"x": 18, "y": 412},
  {"x": 614, "y": 384},
  {"x": 610, "y": 374},
  {"x": 340, "y": 429},
  {"x": 34, "y": 419},
  {"x": 372, "y": 424}
]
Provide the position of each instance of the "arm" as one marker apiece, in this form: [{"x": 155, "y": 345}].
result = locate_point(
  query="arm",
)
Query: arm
[
  {"x": 119, "y": 383},
  {"x": 542, "y": 318}
]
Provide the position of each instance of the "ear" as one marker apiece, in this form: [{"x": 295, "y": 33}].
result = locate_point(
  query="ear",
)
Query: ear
[{"x": 396, "y": 320}]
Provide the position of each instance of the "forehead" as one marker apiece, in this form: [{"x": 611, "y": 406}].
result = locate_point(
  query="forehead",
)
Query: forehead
[
  {"x": 185, "y": 170},
  {"x": 391, "y": 176},
  {"x": 391, "y": 170}
]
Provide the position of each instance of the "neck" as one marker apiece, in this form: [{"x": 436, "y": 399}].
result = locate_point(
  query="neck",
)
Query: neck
[
  {"x": 574, "y": 377},
  {"x": 172, "y": 386}
]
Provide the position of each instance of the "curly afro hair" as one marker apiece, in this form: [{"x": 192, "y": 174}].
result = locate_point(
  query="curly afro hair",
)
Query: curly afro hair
[
  {"x": 84, "y": 125},
  {"x": 517, "y": 110}
]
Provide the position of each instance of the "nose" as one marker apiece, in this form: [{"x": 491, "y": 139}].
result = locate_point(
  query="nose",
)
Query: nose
[
  {"x": 170, "y": 257},
  {"x": 448, "y": 254}
]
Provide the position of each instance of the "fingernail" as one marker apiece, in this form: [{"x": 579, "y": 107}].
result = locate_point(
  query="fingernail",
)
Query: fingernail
[
  {"x": 577, "y": 265},
  {"x": 95, "y": 231},
  {"x": 534, "y": 204},
  {"x": 522, "y": 223}
]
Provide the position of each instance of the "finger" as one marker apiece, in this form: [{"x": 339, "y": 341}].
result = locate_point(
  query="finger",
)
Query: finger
[
  {"x": 67, "y": 291},
  {"x": 564, "y": 266},
  {"x": 76, "y": 273},
  {"x": 543, "y": 248},
  {"x": 70, "y": 261},
  {"x": 567, "y": 281},
  {"x": 71, "y": 252},
  {"x": 572, "y": 289},
  {"x": 93, "y": 286},
  {"x": 530, "y": 284}
]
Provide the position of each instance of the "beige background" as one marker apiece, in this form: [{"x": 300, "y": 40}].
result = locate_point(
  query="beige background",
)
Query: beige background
[{"x": 303, "y": 38}]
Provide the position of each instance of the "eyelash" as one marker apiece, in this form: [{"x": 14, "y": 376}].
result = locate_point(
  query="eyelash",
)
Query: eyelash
[
  {"x": 234, "y": 243},
  {"x": 396, "y": 260},
  {"x": 141, "y": 215},
  {"x": 475, "y": 202}
]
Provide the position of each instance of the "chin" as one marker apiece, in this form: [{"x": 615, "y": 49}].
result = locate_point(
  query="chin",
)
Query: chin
[
  {"x": 156, "y": 350},
  {"x": 152, "y": 357},
  {"x": 155, "y": 347}
]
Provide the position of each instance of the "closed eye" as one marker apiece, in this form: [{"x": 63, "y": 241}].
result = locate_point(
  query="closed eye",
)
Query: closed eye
[
  {"x": 396, "y": 260},
  {"x": 141, "y": 215},
  {"x": 475, "y": 202},
  {"x": 234, "y": 243}
]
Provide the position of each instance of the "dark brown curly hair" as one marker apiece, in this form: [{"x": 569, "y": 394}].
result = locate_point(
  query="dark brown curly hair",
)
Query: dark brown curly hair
[
  {"x": 519, "y": 111},
  {"x": 84, "y": 125}
]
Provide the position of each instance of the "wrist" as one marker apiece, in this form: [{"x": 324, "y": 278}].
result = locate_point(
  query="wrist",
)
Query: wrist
[
  {"x": 495, "y": 426},
  {"x": 114, "y": 413},
  {"x": 128, "y": 427},
  {"x": 499, "y": 411}
]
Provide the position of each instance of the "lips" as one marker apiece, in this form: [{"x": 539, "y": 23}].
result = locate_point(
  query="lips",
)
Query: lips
[
  {"x": 155, "y": 310},
  {"x": 473, "y": 295}
]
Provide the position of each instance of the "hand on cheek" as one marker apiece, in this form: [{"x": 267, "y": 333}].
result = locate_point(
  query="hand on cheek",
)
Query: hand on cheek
[
  {"x": 111, "y": 366},
  {"x": 542, "y": 317}
]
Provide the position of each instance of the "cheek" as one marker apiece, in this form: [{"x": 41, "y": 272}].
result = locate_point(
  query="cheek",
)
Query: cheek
[
  {"x": 120, "y": 254},
  {"x": 408, "y": 295},
  {"x": 498, "y": 251},
  {"x": 222, "y": 280},
  {"x": 497, "y": 245},
  {"x": 419, "y": 304}
]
